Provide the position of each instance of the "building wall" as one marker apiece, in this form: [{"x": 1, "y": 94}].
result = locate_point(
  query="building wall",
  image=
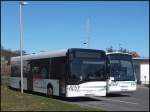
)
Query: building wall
[
  {"x": 144, "y": 71},
  {"x": 5, "y": 68},
  {"x": 5, "y": 61},
  {"x": 141, "y": 67}
]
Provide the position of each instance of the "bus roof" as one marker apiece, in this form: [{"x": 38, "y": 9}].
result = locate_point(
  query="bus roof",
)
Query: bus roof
[
  {"x": 41, "y": 55},
  {"x": 117, "y": 53}
]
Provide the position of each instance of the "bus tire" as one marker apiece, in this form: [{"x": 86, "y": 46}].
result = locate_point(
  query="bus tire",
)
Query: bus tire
[
  {"x": 20, "y": 85},
  {"x": 49, "y": 91}
]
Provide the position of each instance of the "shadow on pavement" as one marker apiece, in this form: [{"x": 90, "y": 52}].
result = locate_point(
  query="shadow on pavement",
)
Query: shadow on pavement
[
  {"x": 119, "y": 95},
  {"x": 147, "y": 85},
  {"x": 76, "y": 99}
]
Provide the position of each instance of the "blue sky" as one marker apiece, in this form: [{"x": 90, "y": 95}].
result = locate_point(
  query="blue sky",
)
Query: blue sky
[{"x": 56, "y": 25}]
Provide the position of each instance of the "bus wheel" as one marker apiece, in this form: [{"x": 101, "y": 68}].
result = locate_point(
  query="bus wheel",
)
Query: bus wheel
[
  {"x": 20, "y": 85},
  {"x": 49, "y": 92}
]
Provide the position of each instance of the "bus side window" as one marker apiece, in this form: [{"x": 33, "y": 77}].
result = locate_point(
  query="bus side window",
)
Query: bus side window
[
  {"x": 44, "y": 72},
  {"x": 58, "y": 68},
  {"x": 28, "y": 67},
  {"x": 107, "y": 67}
]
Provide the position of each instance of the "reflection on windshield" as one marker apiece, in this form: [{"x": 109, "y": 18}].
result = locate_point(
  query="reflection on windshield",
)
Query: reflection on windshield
[
  {"x": 75, "y": 70},
  {"x": 87, "y": 70},
  {"x": 93, "y": 70},
  {"x": 121, "y": 70}
]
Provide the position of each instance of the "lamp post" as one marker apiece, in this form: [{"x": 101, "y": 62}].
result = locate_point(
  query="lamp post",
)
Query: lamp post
[
  {"x": 88, "y": 33},
  {"x": 21, "y": 3}
]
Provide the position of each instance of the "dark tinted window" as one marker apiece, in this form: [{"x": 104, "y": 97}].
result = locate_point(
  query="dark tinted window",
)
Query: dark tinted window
[
  {"x": 94, "y": 70},
  {"x": 121, "y": 67},
  {"x": 58, "y": 68},
  {"x": 120, "y": 56},
  {"x": 40, "y": 68},
  {"x": 87, "y": 70},
  {"x": 87, "y": 65},
  {"x": 122, "y": 70},
  {"x": 84, "y": 54},
  {"x": 15, "y": 69}
]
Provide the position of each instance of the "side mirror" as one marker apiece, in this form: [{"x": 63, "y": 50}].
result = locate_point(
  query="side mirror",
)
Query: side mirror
[
  {"x": 111, "y": 78},
  {"x": 81, "y": 78}
]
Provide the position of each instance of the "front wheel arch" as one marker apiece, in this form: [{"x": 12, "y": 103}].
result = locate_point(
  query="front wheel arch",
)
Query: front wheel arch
[{"x": 49, "y": 90}]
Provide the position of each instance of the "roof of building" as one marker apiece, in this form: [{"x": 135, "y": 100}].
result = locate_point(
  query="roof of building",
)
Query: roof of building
[{"x": 140, "y": 58}]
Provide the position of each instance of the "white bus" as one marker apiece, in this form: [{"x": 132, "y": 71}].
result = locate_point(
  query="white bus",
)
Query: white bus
[
  {"x": 121, "y": 76},
  {"x": 72, "y": 72}
]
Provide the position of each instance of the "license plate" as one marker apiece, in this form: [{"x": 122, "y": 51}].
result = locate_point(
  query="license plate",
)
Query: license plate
[
  {"x": 123, "y": 90},
  {"x": 89, "y": 94}
]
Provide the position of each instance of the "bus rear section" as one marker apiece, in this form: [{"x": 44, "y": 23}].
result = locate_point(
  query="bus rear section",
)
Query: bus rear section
[{"x": 121, "y": 73}]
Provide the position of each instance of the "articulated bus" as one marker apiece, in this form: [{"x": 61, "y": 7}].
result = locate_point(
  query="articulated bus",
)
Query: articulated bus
[
  {"x": 121, "y": 76},
  {"x": 72, "y": 72}
]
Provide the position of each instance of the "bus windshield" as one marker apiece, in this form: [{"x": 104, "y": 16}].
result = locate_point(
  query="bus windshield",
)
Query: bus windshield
[
  {"x": 121, "y": 69},
  {"x": 85, "y": 70}
]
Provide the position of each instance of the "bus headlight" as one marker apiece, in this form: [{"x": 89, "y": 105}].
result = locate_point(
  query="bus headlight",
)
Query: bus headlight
[
  {"x": 133, "y": 84},
  {"x": 114, "y": 84}
]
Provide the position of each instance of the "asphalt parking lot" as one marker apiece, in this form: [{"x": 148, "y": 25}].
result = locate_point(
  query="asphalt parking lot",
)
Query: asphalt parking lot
[{"x": 137, "y": 101}]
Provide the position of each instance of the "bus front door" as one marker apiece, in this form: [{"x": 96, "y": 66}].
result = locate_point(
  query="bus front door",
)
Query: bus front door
[{"x": 30, "y": 81}]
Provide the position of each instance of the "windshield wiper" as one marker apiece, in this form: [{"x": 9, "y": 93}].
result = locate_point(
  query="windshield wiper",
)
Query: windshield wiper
[{"x": 81, "y": 79}]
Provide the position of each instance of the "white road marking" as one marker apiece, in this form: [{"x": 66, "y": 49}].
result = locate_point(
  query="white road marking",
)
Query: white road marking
[
  {"x": 115, "y": 100},
  {"x": 122, "y": 101}
]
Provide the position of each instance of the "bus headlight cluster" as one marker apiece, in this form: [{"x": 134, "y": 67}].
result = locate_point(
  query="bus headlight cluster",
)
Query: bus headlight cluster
[
  {"x": 114, "y": 84},
  {"x": 133, "y": 84}
]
